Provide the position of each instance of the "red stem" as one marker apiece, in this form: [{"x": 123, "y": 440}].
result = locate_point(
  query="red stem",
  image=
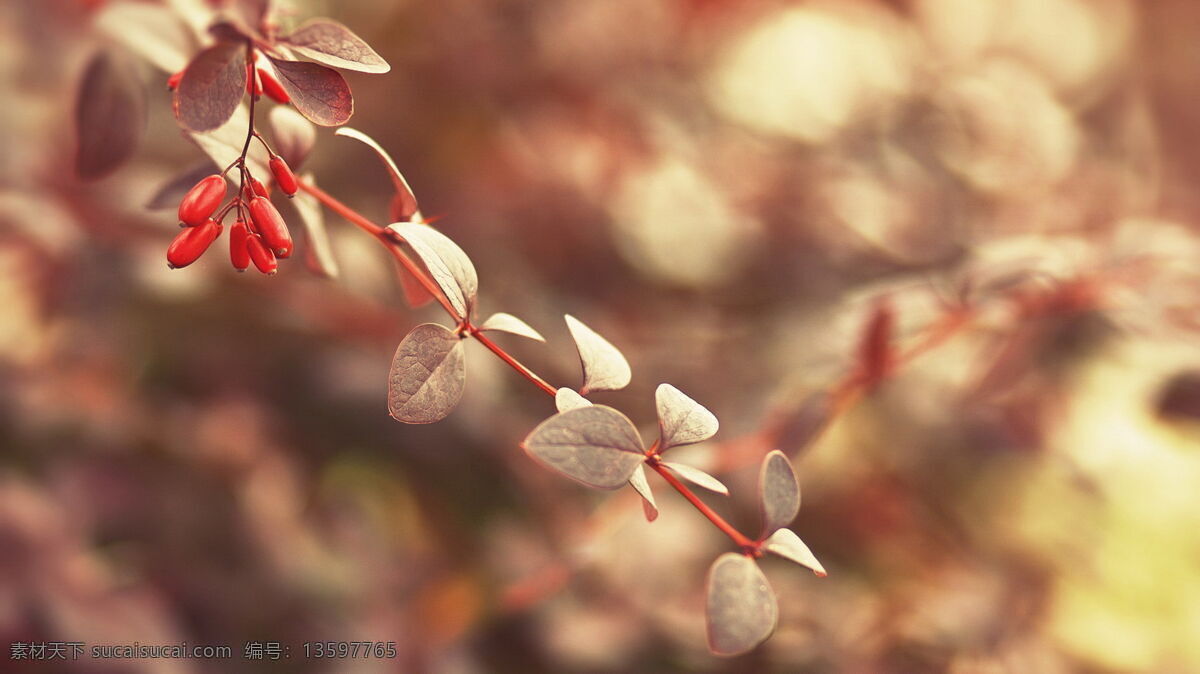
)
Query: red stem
[
  {"x": 393, "y": 245},
  {"x": 512, "y": 362},
  {"x": 738, "y": 538}
]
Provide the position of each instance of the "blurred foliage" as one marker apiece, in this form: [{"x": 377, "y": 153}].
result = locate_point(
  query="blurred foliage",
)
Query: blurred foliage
[{"x": 722, "y": 189}]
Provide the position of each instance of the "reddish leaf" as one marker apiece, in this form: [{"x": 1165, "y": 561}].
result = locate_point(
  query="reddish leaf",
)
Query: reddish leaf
[
  {"x": 320, "y": 94},
  {"x": 329, "y": 42},
  {"x": 109, "y": 116},
  {"x": 415, "y": 294},
  {"x": 212, "y": 86}
]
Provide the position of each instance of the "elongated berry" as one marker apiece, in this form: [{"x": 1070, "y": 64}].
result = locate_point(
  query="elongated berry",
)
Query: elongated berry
[
  {"x": 259, "y": 189},
  {"x": 202, "y": 200},
  {"x": 263, "y": 258},
  {"x": 273, "y": 88},
  {"x": 238, "y": 253},
  {"x": 253, "y": 84},
  {"x": 269, "y": 223},
  {"x": 191, "y": 243},
  {"x": 283, "y": 176}
]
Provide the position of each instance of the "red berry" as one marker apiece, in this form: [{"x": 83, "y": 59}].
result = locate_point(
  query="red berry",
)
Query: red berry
[
  {"x": 273, "y": 88},
  {"x": 253, "y": 84},
  {"x": 238, "y": 253},
  {"x": 271, "y": 226},
  {"x": 259, "y": 188},
  {"x": 263, "y": 258},
  {"x": 283, "y": 176},
  {"x": 202, "y": 200},
  {"x": 191, "y": 243},
  {"x": 173, "y": 81}
]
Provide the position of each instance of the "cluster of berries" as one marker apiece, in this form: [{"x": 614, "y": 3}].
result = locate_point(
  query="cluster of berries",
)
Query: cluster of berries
[{"x": 259, "y": 235}]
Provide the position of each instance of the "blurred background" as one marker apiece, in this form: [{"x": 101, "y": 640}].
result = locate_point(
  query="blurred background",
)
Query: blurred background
[{"x": 728, "y": 190}]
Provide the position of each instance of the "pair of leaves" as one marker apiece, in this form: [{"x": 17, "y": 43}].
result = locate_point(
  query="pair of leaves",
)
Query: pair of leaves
[
  {"x": 741, "y": 610},
  {"x": 318, "y": 92},
  {"x": 567, "y": 399},
  {"x": 215, "y": 79},
  {"x": 681, "y": 421},
  {"x": 779, "y": 501}
]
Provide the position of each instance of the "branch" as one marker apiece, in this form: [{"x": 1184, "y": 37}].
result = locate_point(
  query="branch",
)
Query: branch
[{"x": 389, "y": 241}]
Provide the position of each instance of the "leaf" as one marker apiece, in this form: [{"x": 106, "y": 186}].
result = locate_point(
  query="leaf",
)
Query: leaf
[
  {"x": 642, "y": 487},
  {"x": 778, "y": 491},
  {"x": 318, "y": 253},
  {"x": 698, "y": 477},
  {"x": 320, "y": 94},
  {"x": 294, "y": 135},
  {"x": 788, "y": 545},
  {"x": 741, "y": 610},
  {"x": 681, "y": 420},
  {"x": 224, "y": 144},
  {"x": 329, "y": 42},
  {"x": 153, "y": 32},
  {"x": 171, "y": 192},
  {"x": 252, "y": 12},
  {"x": 415, "y": 293},
  {"x": 408, "y": 200},
  {"x": 428, "y": 375},
  {"x": 595, "y": 445},
  {"x": 604, "y": 368},
  {"x": 212, "y": 86},
  {"x": 502, "y": 322},
  {"x": 449, "y": 266},
  {"x": 231, "y": 28},
  {"x": 109, "y": 116},
  {"x": 567, "y": 399}
]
